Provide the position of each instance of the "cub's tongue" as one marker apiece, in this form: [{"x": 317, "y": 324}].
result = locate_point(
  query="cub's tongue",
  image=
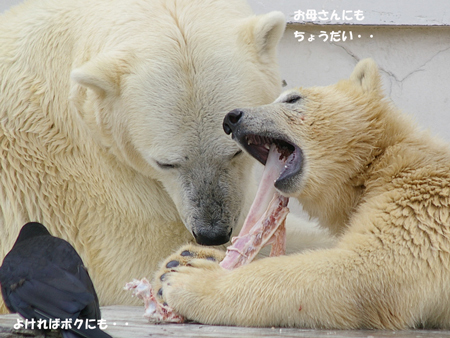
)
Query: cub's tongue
[{"x": 265, "y": 221}]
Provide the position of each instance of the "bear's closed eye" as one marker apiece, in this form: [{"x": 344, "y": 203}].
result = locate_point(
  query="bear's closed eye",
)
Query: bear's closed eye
[{"x": 293, "y": 99}]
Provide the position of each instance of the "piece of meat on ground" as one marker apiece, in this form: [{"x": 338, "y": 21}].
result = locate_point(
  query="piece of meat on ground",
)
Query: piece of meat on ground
[{"x": 154, "y": 310}]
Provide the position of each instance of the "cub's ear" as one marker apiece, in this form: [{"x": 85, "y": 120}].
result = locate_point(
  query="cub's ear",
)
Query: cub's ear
[
  {"x": 103, "y": 73},
  {"x": 264, "y": 32},
  {"x": 367, "y": 76}
]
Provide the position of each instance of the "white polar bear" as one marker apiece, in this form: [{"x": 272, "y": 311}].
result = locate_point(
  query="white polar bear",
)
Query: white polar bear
[{"x": 111, "y": 125}]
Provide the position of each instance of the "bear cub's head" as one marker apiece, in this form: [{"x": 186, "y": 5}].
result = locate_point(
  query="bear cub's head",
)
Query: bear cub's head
[{"x": 327, "y": 136}]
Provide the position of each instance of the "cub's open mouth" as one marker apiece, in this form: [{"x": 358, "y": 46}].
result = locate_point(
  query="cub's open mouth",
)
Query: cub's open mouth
[
  {"x": 265, "y": 220},
  {"x": 289, "y": 154}
]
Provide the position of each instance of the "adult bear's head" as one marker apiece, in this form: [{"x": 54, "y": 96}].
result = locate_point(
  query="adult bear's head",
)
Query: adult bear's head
[{"x": 157, "y": 100}]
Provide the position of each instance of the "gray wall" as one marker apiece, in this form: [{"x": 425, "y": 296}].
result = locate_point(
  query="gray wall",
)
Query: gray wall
[
  {"x": 410, "y": 42},
  {"x": 5, "y": 4}
]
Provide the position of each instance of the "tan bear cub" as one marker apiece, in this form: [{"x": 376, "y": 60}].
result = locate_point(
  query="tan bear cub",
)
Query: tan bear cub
[{"x": 375, "y": 180}]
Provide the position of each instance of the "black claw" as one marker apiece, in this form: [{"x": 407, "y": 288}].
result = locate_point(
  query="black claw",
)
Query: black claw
[
  {"x": 172, "y": 264},
  {"x": 162, "y": 277},
  {"x": 160, "y": 292},
  {"x": 210, "y": 258}
]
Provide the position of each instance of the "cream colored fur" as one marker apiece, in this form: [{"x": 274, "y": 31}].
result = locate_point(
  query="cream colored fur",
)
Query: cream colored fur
[
  {"x": 111, "y": 124},
  {"x": 377, "y": 181}
]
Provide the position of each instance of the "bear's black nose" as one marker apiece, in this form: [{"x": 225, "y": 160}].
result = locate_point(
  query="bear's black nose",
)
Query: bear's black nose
[
  {"x": 204, "y": 236},
  {"x": 231, "y": 120}
]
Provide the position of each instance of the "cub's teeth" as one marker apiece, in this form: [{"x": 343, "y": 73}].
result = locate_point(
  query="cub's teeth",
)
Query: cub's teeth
[{"x": 267, "y": 146}]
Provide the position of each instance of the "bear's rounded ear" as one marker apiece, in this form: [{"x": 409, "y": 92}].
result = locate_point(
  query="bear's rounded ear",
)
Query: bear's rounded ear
[
  {"x": 265, "y": 31},
  {"x": 367, "y": 76},
  {"x": 102, "y": 74}
]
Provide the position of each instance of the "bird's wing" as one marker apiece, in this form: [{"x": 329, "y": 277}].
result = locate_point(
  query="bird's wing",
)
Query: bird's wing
[{"x": 54, "y": 291}]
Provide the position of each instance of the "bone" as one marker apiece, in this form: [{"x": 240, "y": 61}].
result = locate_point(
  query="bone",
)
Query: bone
[
  {"x": 266, "y": 189},
  {"x": 278, "y": 241},
  {"x": 246, "y": 247},
  {"x": 264, "y": 224}
]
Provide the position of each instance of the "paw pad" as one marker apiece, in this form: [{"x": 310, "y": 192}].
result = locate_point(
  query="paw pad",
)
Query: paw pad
[
  {"x": 172, "y": 264},
  {"x": 187, "y": 253}
]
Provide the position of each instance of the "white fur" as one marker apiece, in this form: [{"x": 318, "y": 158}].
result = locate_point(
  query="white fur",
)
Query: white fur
[{"x": 94, "y": 94}]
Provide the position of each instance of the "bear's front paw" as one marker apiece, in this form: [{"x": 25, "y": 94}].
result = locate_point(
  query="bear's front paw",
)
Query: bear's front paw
[
  {"x": 187, "y": 256},
  {"x": 189, "y": 265}
]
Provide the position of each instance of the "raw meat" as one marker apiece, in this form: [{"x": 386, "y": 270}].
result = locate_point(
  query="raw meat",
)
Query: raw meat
[{"x": 154, "y": 310}]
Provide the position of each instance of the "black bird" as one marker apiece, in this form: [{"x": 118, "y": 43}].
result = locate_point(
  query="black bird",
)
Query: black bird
[{"x": 43, "y": 277}]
